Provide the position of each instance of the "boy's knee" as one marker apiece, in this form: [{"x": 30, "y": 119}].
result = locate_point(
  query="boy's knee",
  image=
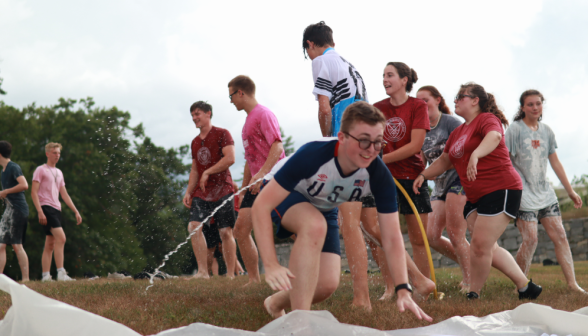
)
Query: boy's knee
[
  {"x": 317, "y": 229},
  {"x": 226, "y": 234}
]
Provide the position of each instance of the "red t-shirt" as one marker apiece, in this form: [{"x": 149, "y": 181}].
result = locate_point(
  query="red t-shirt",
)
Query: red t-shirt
[
  {"x": 207, "y": 152},
  {"x": 495, "y": 170},
  {"x": 401, "y": 120}
]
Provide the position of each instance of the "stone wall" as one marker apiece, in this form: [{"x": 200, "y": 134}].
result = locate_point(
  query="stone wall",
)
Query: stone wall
[{"x": 576, "y": 231}]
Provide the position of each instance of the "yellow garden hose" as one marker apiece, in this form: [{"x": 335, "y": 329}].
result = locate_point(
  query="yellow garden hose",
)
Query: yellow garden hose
[{"x": 424, "y": 233}]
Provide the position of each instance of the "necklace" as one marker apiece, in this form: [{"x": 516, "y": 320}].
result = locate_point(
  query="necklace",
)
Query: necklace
[
  {"x": 437, "y": 121},
  {"x": 54, "y": 175}
]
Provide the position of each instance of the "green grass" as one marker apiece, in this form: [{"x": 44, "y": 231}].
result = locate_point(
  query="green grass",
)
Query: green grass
[{"x": 226, "y": 303}]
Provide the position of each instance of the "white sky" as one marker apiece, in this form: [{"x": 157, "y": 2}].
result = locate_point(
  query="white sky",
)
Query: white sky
[{"x": 154, "y": 59}]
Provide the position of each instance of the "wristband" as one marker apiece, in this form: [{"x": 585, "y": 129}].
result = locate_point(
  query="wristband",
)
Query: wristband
[
  {"x": 423, "y": 176},
  {"x": 406, "y": 286}
]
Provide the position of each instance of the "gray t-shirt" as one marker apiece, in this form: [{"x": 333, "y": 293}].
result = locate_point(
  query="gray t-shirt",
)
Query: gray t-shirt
[
  {"x": 8, "y": 177},
  {"x": 433, "y": 148},
  {"x": 529, "y": 151}
]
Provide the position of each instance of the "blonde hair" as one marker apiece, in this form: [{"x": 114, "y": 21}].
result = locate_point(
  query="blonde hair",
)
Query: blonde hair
[{"x": 51, "y": 145}]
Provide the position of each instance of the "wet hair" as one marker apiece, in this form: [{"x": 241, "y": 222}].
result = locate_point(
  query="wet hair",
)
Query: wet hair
[
  {"x": 361, "y": 111},
  {"x": 436, "y": 94},
  {"x": 319, "y": 33},
  {"x": 521, "y": 114},
  {"x": 202, "y": 106},
  {"x": 5, "y": 149},
  {"x": 52, "y": 145},
  {"x": 243, "y": 83},
  {"x": 487, "y": 102},
  {"x": 405, "y": 71}
]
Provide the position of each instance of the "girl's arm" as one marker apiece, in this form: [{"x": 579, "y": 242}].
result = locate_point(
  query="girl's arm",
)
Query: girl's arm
[
  {"x": 488, "y": 144},
  {"x": 417, "y": 138}
]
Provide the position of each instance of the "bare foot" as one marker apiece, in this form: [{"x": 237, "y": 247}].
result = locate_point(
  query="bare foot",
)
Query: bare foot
[
  {"x": 464, "y": 288},
  {"x": 578, "y": 289},
  {"x": 422, "y": 292},
  {"x": 388, "y": 294},
  {"x": 250, "y": 282},
  {"x": 198, "y": 276},
  {"x": 267, "y": 303},
  {"x": 365, "y": 305}
]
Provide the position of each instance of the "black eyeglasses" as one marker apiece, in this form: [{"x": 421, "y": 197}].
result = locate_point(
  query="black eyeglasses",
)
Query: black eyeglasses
[
  {"x": 365, "y": 143},
  {"x": 462, "y": 96},
  {"x": 231, "y": 96}
]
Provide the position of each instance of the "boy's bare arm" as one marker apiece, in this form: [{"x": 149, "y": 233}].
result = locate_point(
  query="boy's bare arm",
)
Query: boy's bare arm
[{"x": 70, "y": 204}]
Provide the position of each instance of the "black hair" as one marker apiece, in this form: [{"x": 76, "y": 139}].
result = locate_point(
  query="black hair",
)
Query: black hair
[
  {"x": 202, "y": 106},
  {"x": 405, "y": 71},
  {"x": 5, "y": 149},
  {"x": 319, "y": 33}
]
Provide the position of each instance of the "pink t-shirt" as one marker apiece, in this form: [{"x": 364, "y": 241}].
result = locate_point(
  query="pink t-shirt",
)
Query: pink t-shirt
[
  {"x": 50, "y": 181},
  {"x": 260, "y": 131}
]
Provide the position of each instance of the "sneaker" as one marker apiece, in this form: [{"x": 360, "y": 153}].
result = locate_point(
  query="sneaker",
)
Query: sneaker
[
  {"x": 532, "y": 292},
  {"x": 62, "y": 276},
  {"x": 472, "y": 296},
  {"x": 47, "y": 278}
]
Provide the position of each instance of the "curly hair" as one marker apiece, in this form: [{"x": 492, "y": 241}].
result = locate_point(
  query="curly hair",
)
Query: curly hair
[
  {"x": 521, "y": 114},
  {"x": 405, "y": 71},
  {"x": 487, "y": 101},
  {"x": 436, "y": 94}
]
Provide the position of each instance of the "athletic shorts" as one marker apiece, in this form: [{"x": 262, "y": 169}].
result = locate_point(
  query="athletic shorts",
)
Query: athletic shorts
[
  {"x": 536, "y": 216},
  {"x": 455, "y": 188},
  {"x": 249, "y": 198},
  {"x": 54, "y": 219},
  {"x": 421, "y": 201},
  {"x": 224, "y": 217},
  {"x": 368, "y": 202},
  {"x": 13, "y": 227},
  {"x": 211, "y": 235},
  {"x": 331, "y": 245},
  {"x": 495, "y": 203}
]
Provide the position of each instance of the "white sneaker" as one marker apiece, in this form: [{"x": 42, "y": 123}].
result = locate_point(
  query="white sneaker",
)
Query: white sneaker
[
  {"x": 62, "y": 276},
  {"x": 47, "y": 278}
]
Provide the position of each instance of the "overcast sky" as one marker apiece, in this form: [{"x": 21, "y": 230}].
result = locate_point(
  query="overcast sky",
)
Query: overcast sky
[{"x": 154, "y": 59}]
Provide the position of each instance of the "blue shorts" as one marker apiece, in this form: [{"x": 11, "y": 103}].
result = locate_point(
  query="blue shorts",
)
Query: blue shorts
[
  {"x": 454, "y": 188},
  {"x": 331, "y": 245}
]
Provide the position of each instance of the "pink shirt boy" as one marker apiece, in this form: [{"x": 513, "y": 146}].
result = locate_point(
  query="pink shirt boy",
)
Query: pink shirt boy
[
  {"x": 260, "y": 131},
  {"x": 50, "y": 181}
]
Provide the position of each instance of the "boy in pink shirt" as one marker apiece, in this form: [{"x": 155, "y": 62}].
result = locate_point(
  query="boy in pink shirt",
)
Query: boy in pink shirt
[
  {"x": 48, "y": 184},
  {"x": 263, "y": 148}
]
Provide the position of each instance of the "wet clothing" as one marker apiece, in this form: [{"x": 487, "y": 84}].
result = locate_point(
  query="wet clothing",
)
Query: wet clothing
[
  {"x": 495, "y": 170},
  {"x": 537, "y": 215},
  {"x": 338, "y": 80},
  {"x": 454, "y": 188},
  {"x": 422, "y": 201},
  {"x": 223, "y": 217},
  {"x": 495, "y": 203},
  {"x": 54, "y": 219},
  {"x": 13, "y": 226},
  {"x": 529, "y": 152},
  {"x": 8, "y": 178},
  {"x": 50, "y": 182},
  {"x": 433, "y": 148},
  {"x": 401, "y": 120},
  {"x": 259, "y": 133},
  {"x": 207, "y": 152}
]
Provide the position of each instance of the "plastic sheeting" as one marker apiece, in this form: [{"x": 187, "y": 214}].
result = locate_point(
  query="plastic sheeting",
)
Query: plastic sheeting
[{"x": 34, "y": 314}]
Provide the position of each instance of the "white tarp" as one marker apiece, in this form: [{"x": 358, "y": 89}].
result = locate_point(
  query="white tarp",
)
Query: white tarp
[{"x": 36, "y": 315}]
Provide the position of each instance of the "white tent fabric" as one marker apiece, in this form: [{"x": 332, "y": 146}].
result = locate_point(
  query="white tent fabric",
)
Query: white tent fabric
[{"x": 36, "y": 315}]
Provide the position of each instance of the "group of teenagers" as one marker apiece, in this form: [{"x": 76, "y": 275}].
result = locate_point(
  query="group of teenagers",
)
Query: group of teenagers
[
  {"x": 47, "y": 185},
  {"x": 483, "y": 179}
]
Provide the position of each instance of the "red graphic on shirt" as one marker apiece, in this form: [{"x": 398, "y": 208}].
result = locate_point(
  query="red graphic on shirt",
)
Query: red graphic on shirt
[
  {"x": 535, "y": 144},
  {"x": 457, "y": 148},
  {"x": 395, "y": 129},
  {"x": 322, "y": 177}
]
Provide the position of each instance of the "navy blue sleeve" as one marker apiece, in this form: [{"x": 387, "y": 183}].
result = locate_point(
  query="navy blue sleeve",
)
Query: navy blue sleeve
[
  {"x": 305, "y": 163},
  {"x": 382, "y": 187}
]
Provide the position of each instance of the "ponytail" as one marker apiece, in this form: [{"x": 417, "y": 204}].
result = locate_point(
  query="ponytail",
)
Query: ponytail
[
  {"x": 405, "y": 71},
  {"x": 487, "y": 101},
  {"x": 436, "y": 94},
  {"x": 520, "y": 113}
]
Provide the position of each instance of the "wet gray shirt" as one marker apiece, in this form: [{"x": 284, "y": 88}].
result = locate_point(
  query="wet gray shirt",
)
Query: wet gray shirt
[
  {"x": 529, "y": 152},
  {"x": 8, "y": 177},
  {"x": 433, "y": 148}
]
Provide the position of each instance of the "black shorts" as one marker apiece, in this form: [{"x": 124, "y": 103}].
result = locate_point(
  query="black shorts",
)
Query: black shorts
[
  {"x": 54, "y": 219},
  {"x": 224, "y": 217},
  {"x": 495, "y": 203},
  {"x": 422, "y": 202},
  {"x": 13, "y": 227},
  {"x": 248, "y": 200},
  {"x": 368, "y": 202},
  {"x": 211, "y": 235}
]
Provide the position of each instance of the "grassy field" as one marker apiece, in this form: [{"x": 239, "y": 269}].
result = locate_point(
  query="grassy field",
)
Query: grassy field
[{"x": 222, "y": 302}]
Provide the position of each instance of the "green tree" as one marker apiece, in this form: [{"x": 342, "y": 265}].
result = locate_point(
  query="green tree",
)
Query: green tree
[
  {"x": 126, "y": 188},
  {"x": 287, "y": 142}
]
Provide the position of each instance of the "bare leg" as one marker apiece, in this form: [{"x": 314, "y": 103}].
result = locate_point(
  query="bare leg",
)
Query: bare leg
[
  {"x": 59, "y": 244},
  {"x": 2, "y": 257},
  {"x": 238, "y": 268},
  {"x": 229, "y": 250},
  {"x": 554, "y": 228},
  {"x": 527, "y": 249},
  {"x": 369, "y": 219},
  {"x": 435, "y": 229},
  {"x": 23, "y": 261},
  {"x": 214, "y": 267},
  {"x": 47, "y": 254},
  {"x": 209, "y": 258},
  {"x": 356, "y": 252},
  {"x": 328, "y": 281},
  {"x": 485, "y": 252},
  {"x": 199, "y": 247},
  {"x": 242, "y": 232},
  {"x": 415, "y": 236},
  {"x": 456, "y": 230}
]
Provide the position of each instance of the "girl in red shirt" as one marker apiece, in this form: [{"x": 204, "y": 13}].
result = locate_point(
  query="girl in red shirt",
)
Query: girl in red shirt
[{"x": 493, "y": 187}]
